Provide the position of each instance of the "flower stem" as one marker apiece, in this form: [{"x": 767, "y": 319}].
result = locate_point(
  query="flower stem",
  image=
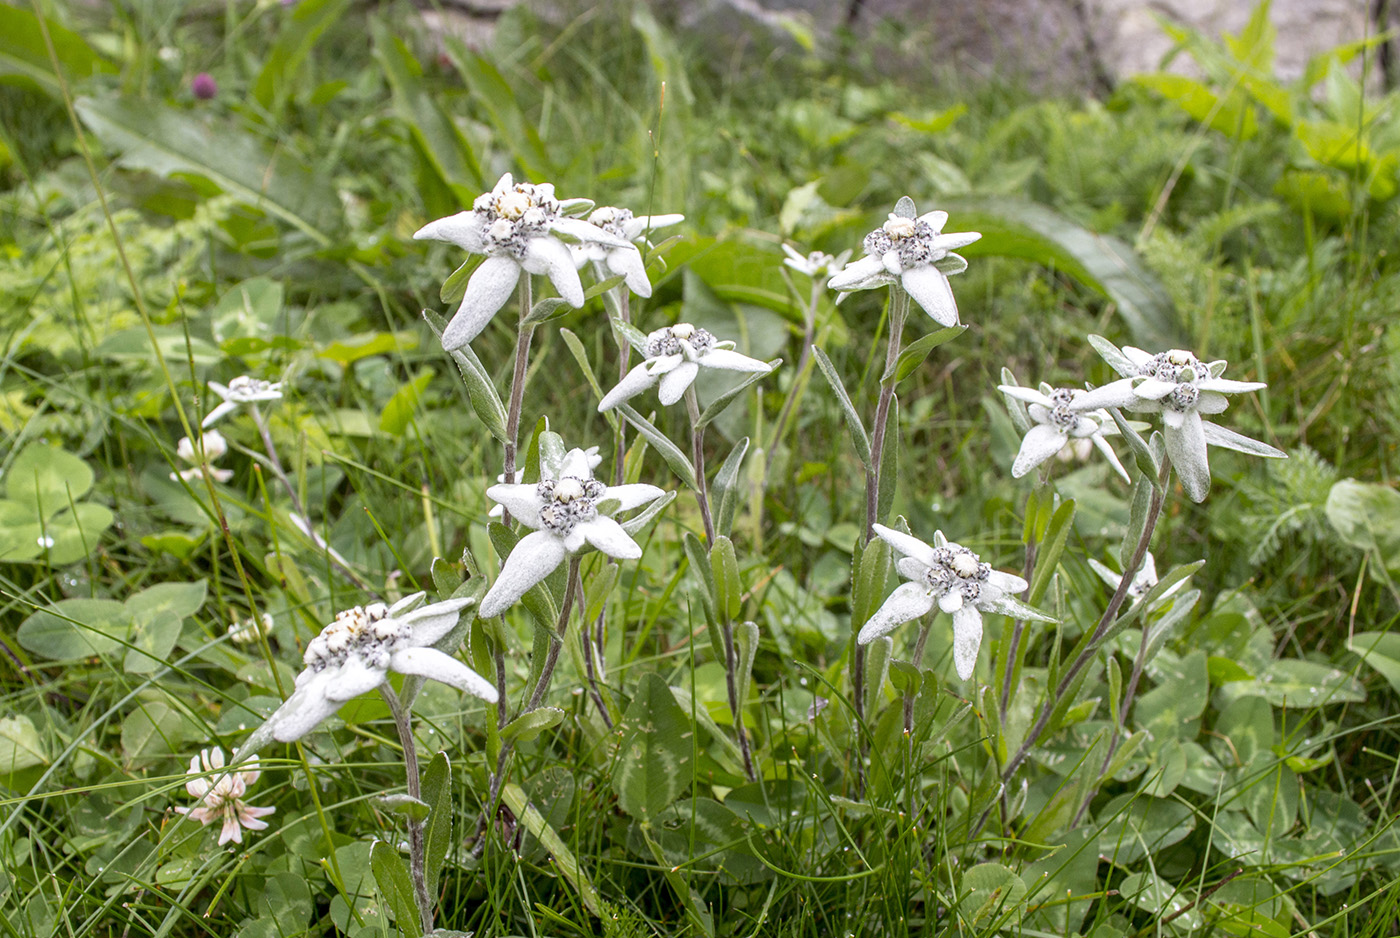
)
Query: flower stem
[
  {"x": 624, "y": 364},
  {"x": 899, "y": 310},
  {"x": 917, "y": 661},
  {"x": 736, "y": 706},
  {"x": 1091, "y": 648},
  {"x": 591, "y": 658},
  {"x": 697, "y": 458},
  {"x": 804, "y": 363},
  {"x": 523, "y": 335},
  {"x": 417, "y": 854}
]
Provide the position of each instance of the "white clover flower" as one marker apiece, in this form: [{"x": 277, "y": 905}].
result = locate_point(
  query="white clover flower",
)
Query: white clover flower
[
  {"x": 914, "y": 253},
  {"x": 241, "y": 390},
  {"x": 595, "y": 459},
  {"x": 356, "y": 652},
  {"x": 1059, "y": 420},
  {"x": 250, "y": 629},
  {"x": 567, "y": 511},
  {"x": 1180, "y": 387},
  {"x": 214, "y": 447},
  {"x": 817, "y": 264},
  {"x": 623, "y": 260},
  {"x": 674, "y": 358},
  {"x": 221, "y": 796},
  {"x": 1143, "y": 580},
  {"x": 518, "y": 226},
  {"x": 955, "y": 580}
]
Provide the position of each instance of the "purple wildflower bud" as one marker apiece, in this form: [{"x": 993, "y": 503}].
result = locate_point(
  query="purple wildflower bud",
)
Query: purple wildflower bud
[{"x": 204, "y": 86}]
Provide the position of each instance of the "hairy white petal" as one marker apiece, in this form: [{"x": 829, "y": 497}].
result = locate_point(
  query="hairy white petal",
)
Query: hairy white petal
[
  {"x": 906, "y": 544},
  {"x": 355, "y": 678},
  {"x": 929, "y": 287},
  {"x": 967, "y": 639},
  {"x": 633, "y": 383},
  {"x": 675, "y": 382},
  {"x": 1041, "y": 442},
  {"x": 634, "y": 495},
  {"x": 1186, "y": 446},
  {"x": 465, "y": 229},
  {"x": 535, "y": 557},
  {"x": 607, "y": 536},
  {"x": 522, "y": 501},
  {"x": 546, "y": 255},
  {"x": 732, "y": 361},
  {"x": 908, "y": 601},
  {"x": 439, "y": 666},
  {"x": 490, "y": 286}
]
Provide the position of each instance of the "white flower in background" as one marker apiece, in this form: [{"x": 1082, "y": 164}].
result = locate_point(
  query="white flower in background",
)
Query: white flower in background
[
  {"x": 817, "y": 264},
  {"x": 239, "y": 391},
  {"x": 567, "y": 513},
  {"x": 356, "y": 652},
  {"x": 914, "y": 253},
  {"x": 623, "y": 260},
  {"x": 1181, "y": 388},
  {"x": 250, "y": 629},
  {"x": 952, "y": 578},
  {"x": 674, "y": 358},
  {"x": 214, "y": 447},
  {"x": 1057, "y": 422},
  {"x": 221, "y": 795},
  {"x": 518, "y": 226},
  {"x": 595, "y": 459},
  {"x": 1143, "y": 580}
]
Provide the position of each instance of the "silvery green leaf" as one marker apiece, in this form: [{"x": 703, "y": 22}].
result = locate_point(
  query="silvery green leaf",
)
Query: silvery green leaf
[
  {"x": 746, "y": 648},
  {"x": 889, "y": 462},
  {"x": 640, "y": 520},
  {"x": 547, "y": 309},
  {"x": 1137, "y": 519},
  {"x": 670, "y": 452},
  {"x": 904, "y": 208},
  {"x": 576, "y": 207},
  {"x": 481, "y": 393},
  {"x": 1114, "y": 356},
  {"x": 1016, "y": 408},
  {"x": 718, "y": 405},
  {"x": 552, "y": 453},
  {"x": 877, "y": 668},
  {"x": 725, "y": 490},
  {"x": 859, "y": 436},
  {"x": 1147, "y": 463},
  {"x": 1229, "y": 439},
  {"x": 529, "y": 725},
  {"x": 634, "y": 336},
  {"x": 916, "y": 352},
  {"x": 581, "y": 356},
  {"x": 603, "y": 286},
  {"x": 407, "y": 805},
  {"x": 455, "y": 286}
]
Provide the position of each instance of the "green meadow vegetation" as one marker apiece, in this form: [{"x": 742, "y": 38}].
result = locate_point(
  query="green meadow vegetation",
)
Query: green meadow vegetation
[{"x": 690, "y": 741}]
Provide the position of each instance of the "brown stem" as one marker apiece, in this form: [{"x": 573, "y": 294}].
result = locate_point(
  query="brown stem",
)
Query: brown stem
[
  {"x": 417, "y": 864},
  {"x": 736, "y": 706},
  {"x": 899, "y": 309},
  {"x": 517, "y": 383}
]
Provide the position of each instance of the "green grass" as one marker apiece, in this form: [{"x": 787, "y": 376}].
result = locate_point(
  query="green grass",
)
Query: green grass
[{"x": 279, "y": 245}]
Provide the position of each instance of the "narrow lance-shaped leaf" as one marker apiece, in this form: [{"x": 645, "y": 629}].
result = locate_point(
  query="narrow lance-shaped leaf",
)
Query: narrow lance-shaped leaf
[
  {"x": 889, "y": 463},
  {"x": 916, "y": 352},
  {"x": 728, "y": 587},
  {"x": 575, "y": 345},
  {"x": 859, "y": 437},
  {"x": 670, "y": 452},
  {"x": 718, "y": 405},
  {"x": 437, "y": 834},
  {"x": 1048, "y": 557},
  {"x": 391, "y": 876},
  {"x": 480, "y": 391},
  {"x": 725, "y": 490}
]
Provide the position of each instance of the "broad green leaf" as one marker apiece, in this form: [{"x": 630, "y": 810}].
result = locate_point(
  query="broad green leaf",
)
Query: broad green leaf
[
  {"x": 705, "y": 836},
  {"x": 859, "y": 437},
  {"x": 348, "y": 351},
  {"x": 1381, "y": 650},
  {"x": 1367, "y": 516},
  {"x": 154, "y": 730},
  {"x": 47, "y": 478},
  {"x": 437, "y": 833},
  {"x": 655, "y": 763},
  {"x": 529, "y": 725},
  {"x": 415, "y": 809},
  {"x": 398, "y": 412},
  {"x": 396, "y": 888},
  {"x": 989, "y": 890},
  {"x": 729, "y": 588},
  {"x": 1159, "y": 898},
  {"x": 916, "y": 352},
  {"x": 1014, "y": 228},
  {"x": 303, "y": 26},
  {"x": 76, "y": 628},
  {"x": 1232, "y": 114},
  {"x": 24, "y": 56},
  {"x": 20, "y": 745},
  {"x": 169, "y": 142},
  {"x": 514, "y": 129},
  {"x": 1132, "y": 826},
  {"x": 157, "y": 615}
]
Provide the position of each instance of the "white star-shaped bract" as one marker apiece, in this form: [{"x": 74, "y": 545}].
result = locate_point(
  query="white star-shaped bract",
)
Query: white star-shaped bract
[
  {"x": 214, "y": 446},
  {"x": 1181, "y": 388},
  {"x": 1058, "y": 419},
  {"x": 356, "y": 652},
  {"x": 954, "y": 579},
  {"x": 518, "y": 226},
  {"x": 239, "y": 391},
  {"x": 568, "y": 510},
  {"x": 1143, "y": 580},
  {"x": 623, "y": 260},
  {"x": 816, "y": 264},
  {"x": 914, "y": 253},
  {"x": 675, "y": 356},
  {"x": 595, "y": 459},
  {"x": 221, "y": 795}
]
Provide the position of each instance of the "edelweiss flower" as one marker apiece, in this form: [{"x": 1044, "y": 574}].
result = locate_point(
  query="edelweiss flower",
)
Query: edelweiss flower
[
  {"x": 564, "y": 510},
  {"x": 221, "y": 796},
  {"x": 816, "y": 264},
  {"x": 595, "y": 459},
  {"x": 356, "y": 652},
  {"x": 624, "y": 260},
  {"x": 674, "y": 357},
  {"x": 914, "y": 253},
  {"x": 518, "y": 226},
  {"x": 954, "y": 579},
  {"x": 241, "y": 390},
  {"x": 214, "y": 447},
  {"x": 1180, "y": 387},
  {"x": 1058, "y": 420},
  {"x": 1143, "y": 580}
]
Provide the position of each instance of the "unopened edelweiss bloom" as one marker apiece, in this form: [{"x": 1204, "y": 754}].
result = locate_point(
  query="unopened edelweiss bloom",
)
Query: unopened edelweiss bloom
[
  {"x": 1181, "y": 388},
  {"x": 623, "y": 260},
  {"x": 221, "y": 795},
  {"x": 1143, "y": 580},
  {"x": 356, "y": 652},
  {"x": 214, "y": 446},
  {"x": 674, "y": 357},
  {"x": 518, "y": 226},
  {"x": 564, "y": 512},
  {"x": 914, "y": 253},
  {"x": 239, "y": 391},
  {"x": 250, "y": 629},
  {"x": 1058, "y": 420},
  {"x": 817, "y": 264},
  {"x": 954, "y": 579}
]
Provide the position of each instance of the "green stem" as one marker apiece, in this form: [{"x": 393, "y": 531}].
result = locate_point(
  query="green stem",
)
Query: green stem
[
  {"x": 523, "y": 335},
  {"x": 697, "y": 457},
  {"x": 899, "y": 310},
  {"x": 417, "y": 855}
]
